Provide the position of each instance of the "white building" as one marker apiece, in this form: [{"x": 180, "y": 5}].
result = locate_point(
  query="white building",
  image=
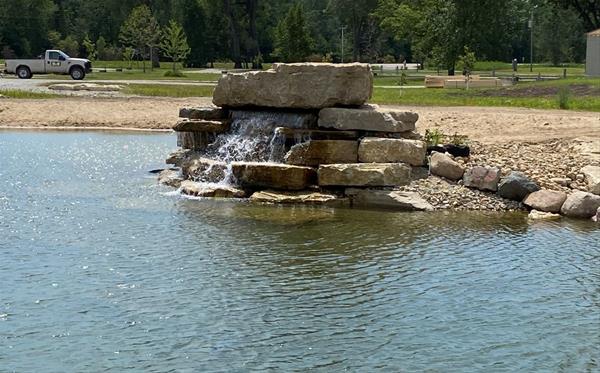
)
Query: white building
[{"x": 592, "y": 66}]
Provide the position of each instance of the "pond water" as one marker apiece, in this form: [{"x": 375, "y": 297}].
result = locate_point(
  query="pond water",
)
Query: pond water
[{"x": 102, "y": 270}]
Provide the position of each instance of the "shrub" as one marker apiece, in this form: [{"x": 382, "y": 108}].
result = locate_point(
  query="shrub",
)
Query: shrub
[
  {"x": 564, "y": 98},
  {"x": 174, "y": 74}
]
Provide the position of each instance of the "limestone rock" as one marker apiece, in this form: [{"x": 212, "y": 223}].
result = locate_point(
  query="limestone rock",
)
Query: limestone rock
[
  {"x": 482, "y": 178},
  {"x": 211, "y": 126},
  {"x": 516, "y": 186},
  {"x": 196, "y": 141},
  {"x": 443, "y": 165},
  {"x": 273, "y": 176},
  {"x": 298, "y": 85},
  {"x": 377, "y": 150},
  {"x": 592, "y": 177},
  {"x": 195, "y": 189},
  {"x": 203, "y": 113},
  {"x": 368, "y": 118},
  {"x": 178, "y": 157},
  {"x": 396, "y": 200},
  {"x": 315, "y": 153},
  {"x": 546, "y": 200},
  {"x": 581, "y": 205},
  {"x": 170, "y": 178},
  {"x": 204, "y": 169},
  {"x": 365, "y": 174},
  {"x": 292, "y": 136},
  {"x": 302, "y": 197},
  {"x": 540, "y": 215}
]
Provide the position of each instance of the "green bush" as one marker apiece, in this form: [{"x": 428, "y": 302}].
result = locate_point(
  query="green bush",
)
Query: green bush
[
  {"x": 174, "y": 74},
  {"x": 564, "y": 98}
]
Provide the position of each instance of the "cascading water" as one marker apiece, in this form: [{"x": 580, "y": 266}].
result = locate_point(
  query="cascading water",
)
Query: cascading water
[{"x": 254, "y": 137}]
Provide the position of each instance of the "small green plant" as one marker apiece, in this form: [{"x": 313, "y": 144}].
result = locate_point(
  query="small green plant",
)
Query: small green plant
[
  {"x": 434, "y": 137},
  {"x": 564, "y": 98},
  {"x": 403, "y": 79},
  {"x": 459, "y": 140},
  {"x": 174, "y": 74}
]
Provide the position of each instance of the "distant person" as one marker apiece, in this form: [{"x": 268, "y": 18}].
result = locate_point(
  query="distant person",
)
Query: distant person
[
  {"x": 404, "y": 68},
  {"x": 515, "y": 65}
]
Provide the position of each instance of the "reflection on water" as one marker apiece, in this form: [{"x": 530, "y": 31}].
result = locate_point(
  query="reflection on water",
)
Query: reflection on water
[{"x": 101, "y": 271}]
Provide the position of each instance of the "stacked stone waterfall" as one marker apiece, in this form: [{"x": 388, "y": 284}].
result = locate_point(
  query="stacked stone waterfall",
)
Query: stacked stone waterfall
[{"x": 300, "y": 133}]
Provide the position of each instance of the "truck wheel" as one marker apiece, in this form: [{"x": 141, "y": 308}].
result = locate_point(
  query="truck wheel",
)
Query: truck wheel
[
  {"x": 23, "y": 72},
  {"x": 77, "y": 73}
]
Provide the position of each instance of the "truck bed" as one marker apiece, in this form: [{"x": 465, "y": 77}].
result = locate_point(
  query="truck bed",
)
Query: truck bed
[{"x": 35, "y": 65}]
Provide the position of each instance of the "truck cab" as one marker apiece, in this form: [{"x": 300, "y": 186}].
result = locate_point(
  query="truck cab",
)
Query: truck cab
[{"x": 53, "y": 62}]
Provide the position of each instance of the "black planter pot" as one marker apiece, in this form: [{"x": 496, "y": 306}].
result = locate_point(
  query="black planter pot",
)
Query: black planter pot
[
  {"x": 437, "y": 148},
  {"x": 458, "y": 150}
]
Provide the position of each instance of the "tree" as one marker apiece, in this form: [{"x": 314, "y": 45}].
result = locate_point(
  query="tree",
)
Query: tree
[
  {"x": 466, "y": 62},
  {"x": 588, "y": 10},
  {"x": 141, "y": 32},
  {"x": 354, "y": 14},
  {"x": 174, "y": 44},
  {"x": 90, "y": 48},
  {"x": 292, "y": 39}
]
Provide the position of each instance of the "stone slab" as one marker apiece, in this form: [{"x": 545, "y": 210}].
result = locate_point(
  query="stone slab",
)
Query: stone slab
[
  {"x": 368, "y": 118},
  {"x": 385, "y": 199},
  {"x": 302, "y": 197},
  {"x": 315, "y": 153},
  {"x": 203, "y": 113},
  {"x": 365, "y": 174},
  {"x": 273, "y": 176},
  {"x": 211, "y": 126},
  {"x": 378, "y": 150},
  {"x": 299, "y": 86}
]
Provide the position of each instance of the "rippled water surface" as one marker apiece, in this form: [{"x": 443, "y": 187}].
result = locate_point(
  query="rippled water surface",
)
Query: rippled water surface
[{"x": 100, "y": 271}]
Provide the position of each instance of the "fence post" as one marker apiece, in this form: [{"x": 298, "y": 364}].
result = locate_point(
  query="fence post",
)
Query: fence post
[{"x": 565, "y": 73}]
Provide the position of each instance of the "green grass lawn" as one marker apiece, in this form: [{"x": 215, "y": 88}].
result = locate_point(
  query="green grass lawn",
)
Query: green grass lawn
[
  {"x": 173, "y": 90},
  {"x": 15, "y": 93},
  {"x": 585, "y": 95}
]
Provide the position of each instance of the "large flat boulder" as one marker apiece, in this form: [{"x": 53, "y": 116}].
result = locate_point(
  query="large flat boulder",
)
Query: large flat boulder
[
  {"x": 315, "y": 153},
  {"x": 368, "y": 118},
  {"x": 212, "y": 126},
  {"x": 302, "y": 197},
  {"x": 378, "y": 150},
  {"x": 298, "y": 85},
  {"x": 385, "y": 199},
  {"x": 592, "y": 177},
  {"x": 581, "y": 205},
  {"x": 203, "y": 113},
  {"x": 191, "y": 188},
  {"x": 365, "y": 174},
  {"x": 256, "y": 175}
]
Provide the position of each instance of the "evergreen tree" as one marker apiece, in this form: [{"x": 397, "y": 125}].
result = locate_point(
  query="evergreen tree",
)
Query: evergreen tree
[
  {"x": 292, "y": 39},
  {"x": 140, "y": 31},
  {"x": 174, "y": 44}
]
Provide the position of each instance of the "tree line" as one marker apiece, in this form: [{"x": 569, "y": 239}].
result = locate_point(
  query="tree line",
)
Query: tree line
[{"x": 250, "y": 32}]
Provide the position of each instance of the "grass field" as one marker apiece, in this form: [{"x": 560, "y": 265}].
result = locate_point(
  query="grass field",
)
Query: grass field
[
  {"x": 584, "y": 95},
  {"x": 15, "y": 93}
]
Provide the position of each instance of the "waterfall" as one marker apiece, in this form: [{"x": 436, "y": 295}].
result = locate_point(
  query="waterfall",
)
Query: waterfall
[{"x": 254, "y": 137}]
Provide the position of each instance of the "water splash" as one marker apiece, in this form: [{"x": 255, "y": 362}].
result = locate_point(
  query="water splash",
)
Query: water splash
[{"x": 253, "y": 137}]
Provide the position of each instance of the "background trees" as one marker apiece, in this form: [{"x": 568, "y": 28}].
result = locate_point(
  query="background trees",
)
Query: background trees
[{"x": 251, "y": 31}]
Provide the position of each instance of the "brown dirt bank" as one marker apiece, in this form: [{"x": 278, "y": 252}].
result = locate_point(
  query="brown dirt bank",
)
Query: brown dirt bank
[{"x": 487, "y": 125}]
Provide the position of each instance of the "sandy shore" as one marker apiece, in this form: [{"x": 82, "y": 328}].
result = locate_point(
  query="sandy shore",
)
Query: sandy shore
[{"x": 487, "y": 125}]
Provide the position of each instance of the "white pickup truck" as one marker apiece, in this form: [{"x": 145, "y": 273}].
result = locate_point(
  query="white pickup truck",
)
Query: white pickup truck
[{"x": 54, "y": 62}]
